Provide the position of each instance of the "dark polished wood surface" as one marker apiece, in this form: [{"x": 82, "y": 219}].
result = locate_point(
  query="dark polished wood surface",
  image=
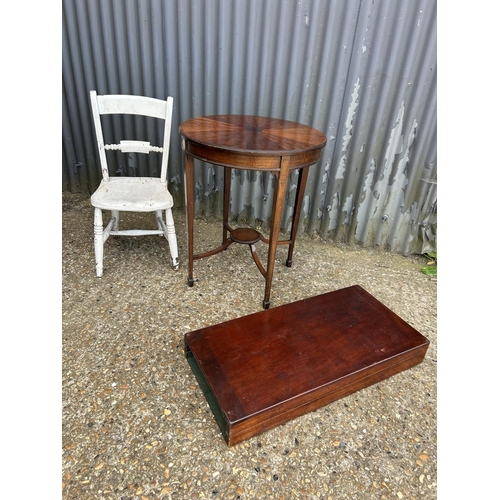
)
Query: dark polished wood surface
[
  {"x": 250, "y": 143},
  {"x": 267, "y": 368},
  {"x": 253, "y": 134}
]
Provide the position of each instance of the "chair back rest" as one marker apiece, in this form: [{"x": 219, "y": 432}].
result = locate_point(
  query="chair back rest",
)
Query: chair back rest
[{"x": 132, "y": 105}]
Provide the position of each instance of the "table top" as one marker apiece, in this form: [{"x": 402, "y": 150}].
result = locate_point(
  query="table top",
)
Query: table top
[
  {"x": 252, "y": 134},
  {"x": 272, "y": 357}
]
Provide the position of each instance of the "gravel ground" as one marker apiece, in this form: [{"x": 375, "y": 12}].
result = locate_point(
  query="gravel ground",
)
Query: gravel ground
[{"x": 136, "y": 424}]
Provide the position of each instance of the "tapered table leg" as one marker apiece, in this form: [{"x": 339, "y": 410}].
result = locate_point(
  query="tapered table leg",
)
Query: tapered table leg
[
  {"x": 278, "y": 202},
  {"x": 227, "y": 197},
  {"x": 189, "y": 196},
  {"x": 301, "y": 187}
]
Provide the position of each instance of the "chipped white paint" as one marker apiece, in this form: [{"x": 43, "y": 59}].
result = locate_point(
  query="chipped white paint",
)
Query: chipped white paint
[
  {"x": 350, "y": 116},
  {"x": 307, "y": 206},
  {"x": 325, "y": 175},
  {"x": 413, "y": 214},
  {"x": 394, "y": 147},
  {"x": 395, "y": 200},
  {"x": 349, "y": 125},
  {"x": 388, "y": 193},
  {"x": 262, "y": 188},
  {"x": 348, "y": 208},
  {"x": 382, "y": 189},
  {"x": 339, "y": 174},
  {"x": 333, "y": 212},
  {"x": 367, "y": 199},
  {"x": 210, "y": 184}
]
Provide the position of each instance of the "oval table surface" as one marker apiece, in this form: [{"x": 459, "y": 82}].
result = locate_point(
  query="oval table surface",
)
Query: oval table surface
[{"x": 248, "y": 133}]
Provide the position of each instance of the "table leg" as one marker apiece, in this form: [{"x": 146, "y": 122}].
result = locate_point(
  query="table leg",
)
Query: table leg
[
  {"x": 227, "y": 197},
  {"x": 189, "y": 196},
  {"x": 278, "y": 202},
  {"x": 301, "y": 187}
]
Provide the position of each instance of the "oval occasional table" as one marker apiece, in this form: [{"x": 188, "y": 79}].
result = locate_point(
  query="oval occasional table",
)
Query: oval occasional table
[{"x": 250, "y": 143}]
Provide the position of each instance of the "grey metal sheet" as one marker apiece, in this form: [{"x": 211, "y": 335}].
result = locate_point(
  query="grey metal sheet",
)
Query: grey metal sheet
[{"x": 362, "y": 71}]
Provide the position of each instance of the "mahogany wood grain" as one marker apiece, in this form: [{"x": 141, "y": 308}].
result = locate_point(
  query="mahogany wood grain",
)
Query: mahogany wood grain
[
  {"x": 249, "y": 136},
  {"x": 250, "y": 143},
  {"x": 267, "y": 368}
]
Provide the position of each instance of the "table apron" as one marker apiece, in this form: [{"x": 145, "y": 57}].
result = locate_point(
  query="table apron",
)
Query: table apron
[{"x": 249, "y": 160}]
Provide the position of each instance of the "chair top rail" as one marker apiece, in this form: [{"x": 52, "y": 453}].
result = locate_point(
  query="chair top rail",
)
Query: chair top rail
[{"x": 132, "y": 105}]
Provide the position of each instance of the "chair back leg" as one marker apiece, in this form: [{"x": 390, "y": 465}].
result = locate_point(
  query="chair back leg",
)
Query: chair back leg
[
  {"x": 115, "y": 214},
  {"x": 159, "y": 217}
]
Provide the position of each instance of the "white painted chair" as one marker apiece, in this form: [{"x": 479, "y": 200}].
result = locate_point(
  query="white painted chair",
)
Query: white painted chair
[{"x": 132, "y": 194}]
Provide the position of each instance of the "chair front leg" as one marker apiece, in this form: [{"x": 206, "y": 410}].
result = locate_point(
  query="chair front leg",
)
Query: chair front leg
[
  {"x": 172, "y": 239},
  {"x": 98, "y": 241}
]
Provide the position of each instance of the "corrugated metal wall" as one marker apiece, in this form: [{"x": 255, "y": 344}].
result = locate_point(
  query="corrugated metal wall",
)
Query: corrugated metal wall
[{"x": 361, "y": 71}]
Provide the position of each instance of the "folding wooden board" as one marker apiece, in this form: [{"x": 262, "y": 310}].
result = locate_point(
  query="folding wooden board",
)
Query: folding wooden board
[{"x": 262, "y": 370}]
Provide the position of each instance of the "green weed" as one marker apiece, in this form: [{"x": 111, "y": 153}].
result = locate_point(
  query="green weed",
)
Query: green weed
[{"x": 431, "y": 268}]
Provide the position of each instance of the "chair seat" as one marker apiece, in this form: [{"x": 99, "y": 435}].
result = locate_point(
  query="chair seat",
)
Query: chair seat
[{"x": 133, "y": 194}]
